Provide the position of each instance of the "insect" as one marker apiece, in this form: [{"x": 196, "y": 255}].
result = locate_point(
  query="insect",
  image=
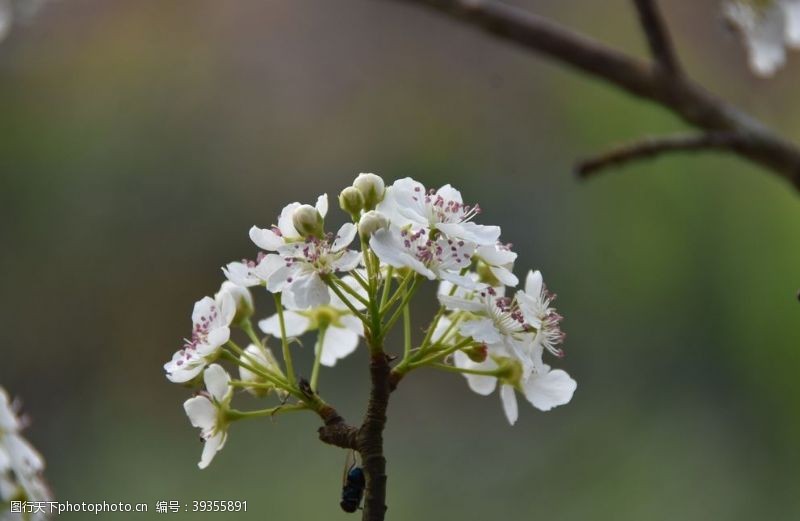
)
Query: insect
[{"x": 353, "y": 484}]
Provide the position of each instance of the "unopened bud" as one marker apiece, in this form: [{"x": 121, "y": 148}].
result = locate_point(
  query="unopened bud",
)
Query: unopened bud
[
  {"x": 371, "y": 222},
  {"x": 307, "y": 221},
  {"x": 351, "y": 201},
  {"x": 260, "y": 359},
  {"x": 478, "y": 353},
  {"x": 372, "y": 189}
]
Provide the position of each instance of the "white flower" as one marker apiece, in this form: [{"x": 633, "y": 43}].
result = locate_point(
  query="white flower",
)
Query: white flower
[
  {"x": 211, "y": 320},
  {"x": 285, "y": 232},
  {"x": 244, "y": 273},
  {"x": 207, "y": 412},
  {"x": 297, "y": 267},
  {"x": 498, "y": 260},
  {"x": 496, "y": 321},
  {"x": 441, "y": 258},
  {"x": 407, "y": 203},
  {"x": 258, "y": 358},
  {"x": 21, "y": 465},
  {"x": 535, "y": 305},
  {"x": 342, "y": 328},
  {"x": 767, "y": 27},
  {"x": 543, "y": 388}
]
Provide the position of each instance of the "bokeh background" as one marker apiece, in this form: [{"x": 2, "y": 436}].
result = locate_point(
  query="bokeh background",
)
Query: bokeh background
[{"x": 139, "y": 140}]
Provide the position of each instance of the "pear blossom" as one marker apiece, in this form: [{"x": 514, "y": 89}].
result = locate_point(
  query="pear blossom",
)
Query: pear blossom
[
  {"x": 372, "y": 189},
  {"x": 342, "y": 328},
  {"x": 767, "y": 26},
  {"x": 543, "y": 387},
  {"x": 207, "y": 411},
  {"x": 440, "y": 258},
  {"x": 211, "y": 320},
  {"x": 244, "y": 273},
  {"x": 285, "y": 232},
  {"x": 298, "y": 267},
  {"x": 21, "y": 465},
  {"x": 407, "y": 202},
  {"x": 535, "y": 303}
]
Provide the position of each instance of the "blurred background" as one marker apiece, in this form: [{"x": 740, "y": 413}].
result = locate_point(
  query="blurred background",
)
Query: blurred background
[{"x": 139, "y": 141}]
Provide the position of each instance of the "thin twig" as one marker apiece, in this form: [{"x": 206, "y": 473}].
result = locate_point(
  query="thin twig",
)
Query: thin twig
[
  {"x": 651, "y": 147},
  {"x": 683, "y": 97},
  {"x": 657, "y": 35}
]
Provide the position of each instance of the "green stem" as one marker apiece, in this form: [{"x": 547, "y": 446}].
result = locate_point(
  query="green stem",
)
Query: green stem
[
  {"x": 287, "y": 355},
  {"x": 247, "y": 327},
  {"x": 343, "y": 285},
  {"x": 318, "y": 357},
  {"x": 234, "y": 414},
  {"x": 453, "y": 369},
  {"x": 403, "y": 305},
  {"x": 276, "y": 379},
  {"x": 327, "y": 280},
  {"x": 433, "y": 357},
  {"x": 399, "y": 292},
  {"x": 387, "y": 285},
  {"x": 406, "y": 332}
]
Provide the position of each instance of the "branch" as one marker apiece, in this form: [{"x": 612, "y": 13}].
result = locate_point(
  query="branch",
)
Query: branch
[
  {"x": 370, "y": 438},
  {"x": 657, "y": 35},
  {"x": 651, "y": 147},
  {"x": 686, "y": 99},
  {"x": 335, "y": 430}
]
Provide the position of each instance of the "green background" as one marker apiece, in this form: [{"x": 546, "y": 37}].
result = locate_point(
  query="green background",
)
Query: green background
[{"x": 140, "y": 140}]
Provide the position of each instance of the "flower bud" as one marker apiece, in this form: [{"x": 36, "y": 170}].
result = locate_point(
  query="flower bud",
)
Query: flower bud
[
  {"x": 351, "y": 201},
  {"x": 371, "y": 222},
  {"x": 242, "y": 297},
  {"x": 258, "y": 359},
  {"x": 478, "y": 353},
  {"x": 372, "y": 188},
  {"x": 307, "y": 221}
]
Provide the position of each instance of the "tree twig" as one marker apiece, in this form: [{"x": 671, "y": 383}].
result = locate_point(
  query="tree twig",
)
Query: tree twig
[
  {"x": 683, "y": 97},
  {"x": 657, "y": 35},
  {"x": 651, "y": 147},
  {"x": 370, "y": 438}
]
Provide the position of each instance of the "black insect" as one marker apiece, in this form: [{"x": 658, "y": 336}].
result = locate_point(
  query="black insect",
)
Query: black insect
[{"x": 353, "y": 484}]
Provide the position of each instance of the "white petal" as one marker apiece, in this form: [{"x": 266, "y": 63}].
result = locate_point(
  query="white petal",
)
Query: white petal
[
  {"x": 282, "y": 277},
  {"x": 344, "y": 236},
  {"x": 449, "y": 193},
  {"x": 322, "y": 205},
  {"x": 463, "y": 304},
  {"x": 295, "y": 324},
  {"x": 8, "y": 420},
  {"x": 285, "y": 224},
  {"x": 217, "y": 382},
  {"x": 352, "y": 323},
  {"x": 504, "y": 275},
  {"x": 791, "y": 9},
  {"x": 210, "y": 448},
  {"x": 509, "y": 399},
  {"x": 481, "y": 329},
  {"x": 481, "y": 384},
  {"x": 534, "y": 283},
  {"x": 496, "y": 256},
  {"x": 338, "y": 343},
  {"x": 477, "y": 233},
  {"x": 550, "y": 389},
  {"x": 388, "y": 248},
  {"x": 265, "y": 238},
  {"x": 185, "y": 370},
  {"x": 348, "y": 261},
  {"x": 201, "y": 412},
  {"x": 203, "y": 308},
  {"x": 216, "y": 337},
  {"x": 25, "y": 460},
  {"x": 309, "y": 291},
  {"x": 441, "y": 326}
]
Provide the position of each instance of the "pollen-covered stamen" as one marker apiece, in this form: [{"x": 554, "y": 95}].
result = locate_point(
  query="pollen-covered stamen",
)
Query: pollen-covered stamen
[
  {"x": 435, "y": 253},
  {"x": 506, "y": 314},
  {"x": 445, "y": 210}
]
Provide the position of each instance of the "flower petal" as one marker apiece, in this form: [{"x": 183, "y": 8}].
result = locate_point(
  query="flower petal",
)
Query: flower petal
[
  {"x": 509, "y": 399},
  {"x": 481, "y": 384},
  {"x": 550, "y": 389},
  {"x": 344, "y": 237},
  {"x": 338, "y": 343},
  {"x": 210, "y": 448},
  {"x": 201, "y": 412},
  {"x": 295, "y": 324},
  {"x": 309, "y": 291},
  {"x": 322, "y": 205},
  {"x": 265, "y": 239},
  {"x": 470, "y": 231},
  {"x": 217, "y": 382}
]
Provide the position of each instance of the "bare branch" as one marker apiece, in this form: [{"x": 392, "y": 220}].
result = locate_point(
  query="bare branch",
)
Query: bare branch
[
  {"x": 651, "y": 147},
  {"x": 657, "y": 35},
  {"x": 683, "y": 97}
]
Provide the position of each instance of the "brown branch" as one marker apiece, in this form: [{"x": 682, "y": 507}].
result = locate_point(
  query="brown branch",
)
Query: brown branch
[
  {"x": 370, "y": 438},
  {"x": 335, "y": 430},
  {"x": 657, "y": 35},
  {"x": 686, "y": 99},
  {"x": 651, "y": 147}
]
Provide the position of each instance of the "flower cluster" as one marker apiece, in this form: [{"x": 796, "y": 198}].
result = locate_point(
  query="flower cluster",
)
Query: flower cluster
[
  {"x": 357, "y": 283},
  {"x": 768, "y": 27},
  {"x": 21, "y": 466}
]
